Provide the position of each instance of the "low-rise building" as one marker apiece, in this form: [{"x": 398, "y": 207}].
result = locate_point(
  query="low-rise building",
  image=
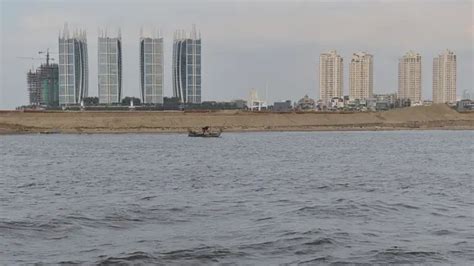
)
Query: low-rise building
[
  {"x": 241, "y": 104},
  {"x": 382, "y": 106},
  {"x": 403, "y": 103},
  {"x": 306, "y": 104},
  {"x": 285, "y": 106},
  {"x": 465, "y": 105},
  {"x": 337, "y": 103},
  {"x": 427, "y": 103},
  {"x": 391, "y": 98}
]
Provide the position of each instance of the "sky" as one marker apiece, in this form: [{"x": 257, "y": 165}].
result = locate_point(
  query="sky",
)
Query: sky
[{"x": 245, "y": 44}]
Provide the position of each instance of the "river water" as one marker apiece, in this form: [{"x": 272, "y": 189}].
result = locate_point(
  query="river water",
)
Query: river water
[{"x": 245, "y": 198}]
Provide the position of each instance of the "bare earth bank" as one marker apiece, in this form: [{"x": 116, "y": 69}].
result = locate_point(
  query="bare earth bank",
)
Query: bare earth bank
[{"x": 423, "y": 117}]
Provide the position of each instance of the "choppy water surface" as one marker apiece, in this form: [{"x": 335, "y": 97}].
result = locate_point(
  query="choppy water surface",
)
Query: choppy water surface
[{"x": 254, "y": 198}]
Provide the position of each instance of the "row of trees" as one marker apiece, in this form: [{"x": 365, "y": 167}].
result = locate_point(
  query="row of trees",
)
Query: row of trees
[
  {"x": 94, "y": 101},
  {"x": 169, "y": 103}
]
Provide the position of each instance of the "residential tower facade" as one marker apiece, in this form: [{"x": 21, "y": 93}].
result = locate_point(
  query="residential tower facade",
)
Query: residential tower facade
[
  {"x": 331, "y": 76},
  {"x": 361, "y": 76},
  {"x": 409, "y": 77},
  {"x": 444, "y": 78}
]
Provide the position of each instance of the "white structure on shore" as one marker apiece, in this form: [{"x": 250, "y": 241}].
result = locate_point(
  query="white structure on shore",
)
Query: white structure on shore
[
  {"x": 409, "y": 77},
  {"x": 331, "y": 74},
  {"x": 110, "y": 68},
  {"x": 361, "y": 76},
  {"x": 444, "y": 78},
  {"x": 255, "y": 103}
]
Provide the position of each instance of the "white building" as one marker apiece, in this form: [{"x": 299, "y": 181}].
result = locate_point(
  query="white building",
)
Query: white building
[
  {"x": 409, "y": 77},
  {"x": 361, "y": 76},
  {"x": 331, "y": 74},
  {"x": 444, "y": 78},
  {"x": 254, "y": 102}
]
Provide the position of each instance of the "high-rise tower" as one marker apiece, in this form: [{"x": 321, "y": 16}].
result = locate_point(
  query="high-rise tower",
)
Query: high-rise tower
[
  {"x": 73, "y": 67},
  {"x": 187, "y": 66},
  {"x": 110, "y": 68},
  {"x": 151, "y": 69},
  {"x": 361, "y": 76},
  {"x": 331, "y": 74},
  {"x": 444, "y": 78},
  {"x": 43, "y": 85},
  {"x": 409, "y": 77}
]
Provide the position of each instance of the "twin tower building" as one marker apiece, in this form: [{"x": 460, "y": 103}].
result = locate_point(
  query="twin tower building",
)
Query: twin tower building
[
  {"x": 74, "y": 70},
  {"x": 361, "y": 76}
]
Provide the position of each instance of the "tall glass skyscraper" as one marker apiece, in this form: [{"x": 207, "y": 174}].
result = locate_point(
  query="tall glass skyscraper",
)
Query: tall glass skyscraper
[
  {"x": 187, "y": 66},
  {"x": 151, "y": 70},
  {"x": 110, "y": 68},
  {"x": 73, "y": 67}
]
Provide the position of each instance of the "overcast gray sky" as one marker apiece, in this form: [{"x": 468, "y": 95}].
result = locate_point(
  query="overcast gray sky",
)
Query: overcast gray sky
[{"x": 246, "y": 44}]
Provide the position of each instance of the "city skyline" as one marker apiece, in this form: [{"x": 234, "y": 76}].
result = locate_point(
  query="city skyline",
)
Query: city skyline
[
  {"x": 187, "y": 69},
  {"x": 251, "y": 51}
]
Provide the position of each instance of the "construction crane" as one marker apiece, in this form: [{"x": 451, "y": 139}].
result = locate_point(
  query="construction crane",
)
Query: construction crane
[
  {"x": 47, "y": 55},
  {"x": 38, "y": 58},
  {"x": 34, "y": 58},
  {"x": 31, "y": 58}
]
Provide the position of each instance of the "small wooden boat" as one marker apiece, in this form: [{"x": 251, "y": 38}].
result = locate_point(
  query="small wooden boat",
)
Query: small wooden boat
[
  {"x": 205, "y": 133},
  {"x": 54, "y": 131}
]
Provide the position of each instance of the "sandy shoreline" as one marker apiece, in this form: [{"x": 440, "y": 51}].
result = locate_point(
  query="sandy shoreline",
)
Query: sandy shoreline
[{"x": 415, "y": 118}]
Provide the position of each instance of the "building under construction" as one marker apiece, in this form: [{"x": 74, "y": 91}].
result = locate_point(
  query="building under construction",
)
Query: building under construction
[{"x": 43, "y": 85}]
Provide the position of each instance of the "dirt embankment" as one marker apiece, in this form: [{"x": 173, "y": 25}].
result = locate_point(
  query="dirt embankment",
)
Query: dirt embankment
[{"x": 431, "y": 117}]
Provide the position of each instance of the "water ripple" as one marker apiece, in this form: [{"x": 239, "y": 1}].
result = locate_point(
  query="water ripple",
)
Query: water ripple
[{"x": 306, "y": 198}]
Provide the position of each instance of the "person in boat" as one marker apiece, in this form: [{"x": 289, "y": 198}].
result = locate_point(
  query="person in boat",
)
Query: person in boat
[{"x": 205, "y": 130}]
